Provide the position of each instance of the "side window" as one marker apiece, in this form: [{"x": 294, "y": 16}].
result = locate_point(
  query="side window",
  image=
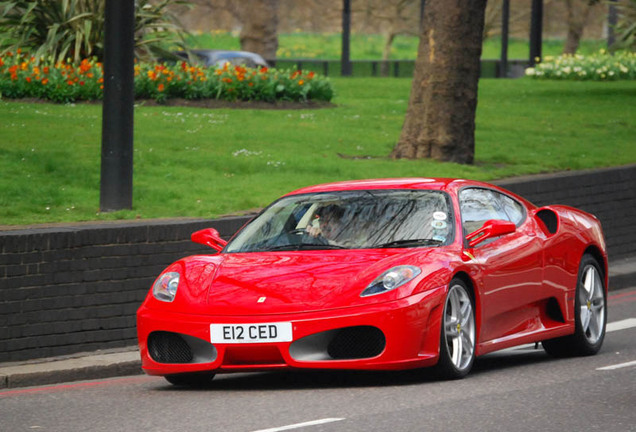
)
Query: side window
[
  {"x": 479, "y": 205},
  {"x": 513, "y": 209}
]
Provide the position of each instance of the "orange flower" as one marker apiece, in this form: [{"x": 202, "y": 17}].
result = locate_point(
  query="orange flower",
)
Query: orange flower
[
  {"x": 263, "y": 70},
  {"x": 310, "y": 75},
  {"x": 160, "y": 87},
  {"x": 84, "y": 66},
  {"x": 28, "y": 79},
  {"x": 45, "y": 69},
  {"x": 301, "y": 82},
  {"x": 227, "y": 80},
  {"x": 45, "y": 81}
]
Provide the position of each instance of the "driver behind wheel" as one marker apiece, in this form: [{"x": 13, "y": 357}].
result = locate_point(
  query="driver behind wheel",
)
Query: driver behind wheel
[{"x": 327, "y": 223}]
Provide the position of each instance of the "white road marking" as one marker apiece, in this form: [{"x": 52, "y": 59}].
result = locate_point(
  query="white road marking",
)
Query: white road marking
[
  {"x": 300, "y": 425},
  {"x": 621, "y": 325},
  {"x": 617, "y": 366}
]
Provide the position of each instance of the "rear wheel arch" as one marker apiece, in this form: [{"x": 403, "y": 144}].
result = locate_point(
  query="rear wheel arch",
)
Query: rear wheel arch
[
  {"x": 590, "y": 312},
  {"x": 596, "y": 253}
]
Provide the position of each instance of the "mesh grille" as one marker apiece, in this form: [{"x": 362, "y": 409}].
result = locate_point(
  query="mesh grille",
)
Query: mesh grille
[
  {"x": 166, "y": 347},
  {"x": 356, "y": 343}
]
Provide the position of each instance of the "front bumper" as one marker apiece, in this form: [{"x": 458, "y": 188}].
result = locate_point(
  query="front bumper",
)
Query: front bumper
[{"x": 400, "y": 334}]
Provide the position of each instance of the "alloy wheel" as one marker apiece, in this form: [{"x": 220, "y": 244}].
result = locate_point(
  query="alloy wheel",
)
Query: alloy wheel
[{"x": 459, "y": 327}]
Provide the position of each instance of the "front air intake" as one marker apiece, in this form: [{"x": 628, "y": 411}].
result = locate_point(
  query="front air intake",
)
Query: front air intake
[
  {"x": 356, "y": 343},
  {"x": 167, "y": 347}
]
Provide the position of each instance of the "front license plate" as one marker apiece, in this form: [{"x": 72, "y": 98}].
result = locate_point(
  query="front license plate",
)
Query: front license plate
[{"x": 251, "y": 333}]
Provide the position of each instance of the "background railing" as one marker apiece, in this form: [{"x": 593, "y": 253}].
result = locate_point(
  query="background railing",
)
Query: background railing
[{"x": 391, "y": 68}]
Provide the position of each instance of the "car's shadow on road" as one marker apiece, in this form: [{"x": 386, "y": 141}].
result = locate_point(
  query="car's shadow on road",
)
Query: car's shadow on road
[{"x": 325, "y": 379}]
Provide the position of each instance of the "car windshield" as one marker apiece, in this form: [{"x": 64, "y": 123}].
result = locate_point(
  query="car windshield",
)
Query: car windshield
[{"x": 349, "y": 220}]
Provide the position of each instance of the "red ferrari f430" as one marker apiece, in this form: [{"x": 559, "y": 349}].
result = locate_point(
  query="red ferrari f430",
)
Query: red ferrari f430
[{"x": 380, "y": 275}]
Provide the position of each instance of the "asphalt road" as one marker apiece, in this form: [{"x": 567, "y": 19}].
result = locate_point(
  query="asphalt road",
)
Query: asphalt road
[{"x": 514, "y": 390}]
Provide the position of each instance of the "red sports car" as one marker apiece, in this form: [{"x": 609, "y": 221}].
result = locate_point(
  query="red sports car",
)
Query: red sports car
[{"x": 380, "y": 274}]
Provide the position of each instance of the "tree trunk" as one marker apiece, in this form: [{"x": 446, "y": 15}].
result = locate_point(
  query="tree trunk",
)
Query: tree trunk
[
  {"x": 440, "y": 120},
  {"x": 260, "y": 23},
  {"x": 578, "y": 11},
  {"x": 386, "y": 53}
]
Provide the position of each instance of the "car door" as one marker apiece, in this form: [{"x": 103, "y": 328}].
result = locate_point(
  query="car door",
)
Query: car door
[{"x": 510, "y": 267}]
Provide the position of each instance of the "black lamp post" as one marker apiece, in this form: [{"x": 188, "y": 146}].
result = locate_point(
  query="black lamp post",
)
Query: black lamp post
[
  {"x": 536, "y": 30},
  {"x": 117, "y": 111}
]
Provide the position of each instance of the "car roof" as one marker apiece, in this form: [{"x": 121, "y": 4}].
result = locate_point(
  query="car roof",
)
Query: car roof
[
  {"x": 451, "y": 185},
  {"x": 388, "y": 183}
]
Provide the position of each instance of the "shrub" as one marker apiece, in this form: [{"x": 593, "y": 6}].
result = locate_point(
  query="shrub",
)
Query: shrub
[
  {"x": 75, "y": 29},
  {"x": 602, "y": 66},
  {"x": 22, "y": 76}
]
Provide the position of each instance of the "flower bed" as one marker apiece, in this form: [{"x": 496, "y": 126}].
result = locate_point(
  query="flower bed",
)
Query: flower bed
[
  {"x": 597, "y": 67},
  {"x": 21, "y": 76}
]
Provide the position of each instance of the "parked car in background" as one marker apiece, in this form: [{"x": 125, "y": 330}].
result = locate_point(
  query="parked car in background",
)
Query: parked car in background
[
  {"x": 217, "y": 58},
  {"x": 380, "y": 274}
]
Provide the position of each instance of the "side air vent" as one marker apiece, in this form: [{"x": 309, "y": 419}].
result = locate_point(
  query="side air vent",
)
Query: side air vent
[{"x": 550, "y": 220}]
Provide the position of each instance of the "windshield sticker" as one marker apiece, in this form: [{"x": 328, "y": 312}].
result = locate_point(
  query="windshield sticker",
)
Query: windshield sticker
[
  {"x": 438, "y": 224},
  {"x": 439, "y": 216}
]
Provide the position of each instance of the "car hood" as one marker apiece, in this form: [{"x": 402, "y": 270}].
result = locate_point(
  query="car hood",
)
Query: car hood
[{"x": 287, "y": 282}]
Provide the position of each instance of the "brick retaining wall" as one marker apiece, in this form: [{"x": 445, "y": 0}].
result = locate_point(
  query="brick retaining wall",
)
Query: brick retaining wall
[
  {"x": 75, "y": 289},
  {"x": 72, "y": 289},
  {"x": 609, "y": 194}
]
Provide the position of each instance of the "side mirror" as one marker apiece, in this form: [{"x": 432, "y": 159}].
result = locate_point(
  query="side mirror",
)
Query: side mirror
[
  {"x": 492, "y": 228},
  {"x": 209, "y": 237}
]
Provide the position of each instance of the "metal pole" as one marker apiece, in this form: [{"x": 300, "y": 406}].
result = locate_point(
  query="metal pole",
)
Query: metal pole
[
  {"x": 345, "y": 61},
  {"x": 505, "y": 19},
  {"x": 612, "y": 20},
  {"x": 536, "y": 29},
  {"x": 117, "y": 111}
]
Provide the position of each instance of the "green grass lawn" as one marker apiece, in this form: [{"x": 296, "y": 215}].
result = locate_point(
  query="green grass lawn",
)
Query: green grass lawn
[
  {"x": 327, "y": 46},
  {"x": 193, "y": 162}
]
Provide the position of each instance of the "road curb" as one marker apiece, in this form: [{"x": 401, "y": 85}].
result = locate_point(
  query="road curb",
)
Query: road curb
[
  {"x": 622, "y": 273},
  {"x": 88, "y": 366}
]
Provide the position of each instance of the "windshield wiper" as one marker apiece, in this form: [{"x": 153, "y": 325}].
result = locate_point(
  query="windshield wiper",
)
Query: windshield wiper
[
  {"x": 301, "y": 246},
  {"x": 409, "y": 242}
]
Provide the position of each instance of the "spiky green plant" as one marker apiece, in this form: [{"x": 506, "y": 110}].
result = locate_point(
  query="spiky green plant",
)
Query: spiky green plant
[
  {"x": 626, "y": 26},
  {"x": 74, "y": 29}
]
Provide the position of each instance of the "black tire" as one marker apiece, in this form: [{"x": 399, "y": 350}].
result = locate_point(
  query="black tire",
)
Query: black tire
[
  {"x": 458, "y": 333},
  {"x": 590, "y": 314},
  {"x": 194, "y": 380}
]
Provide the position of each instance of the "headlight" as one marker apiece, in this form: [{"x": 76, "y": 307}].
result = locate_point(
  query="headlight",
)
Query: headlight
[
  {"x": 391, "y": 279},
  {"x": 165, "y": 287}
]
